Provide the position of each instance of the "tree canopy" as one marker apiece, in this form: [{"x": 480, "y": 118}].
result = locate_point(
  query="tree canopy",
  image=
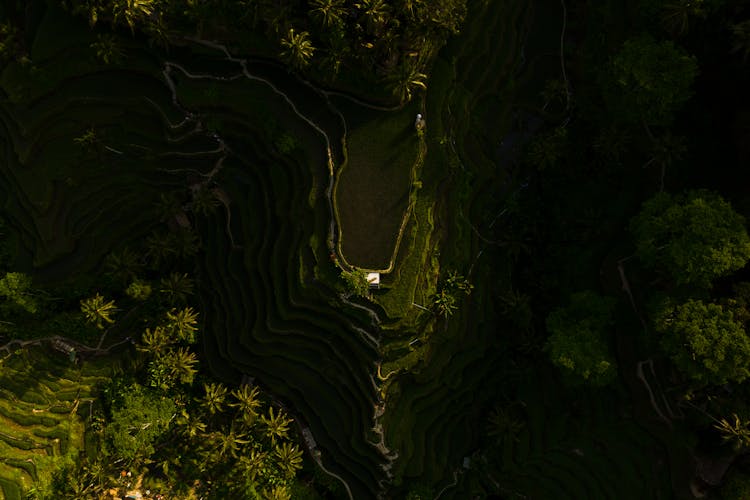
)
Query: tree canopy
[
  {"x": 705, "y": 341},
  {"x": 695, "y": 237},
  {"x": 650, "y": 80},
  {"x": 578, "y": 342}
]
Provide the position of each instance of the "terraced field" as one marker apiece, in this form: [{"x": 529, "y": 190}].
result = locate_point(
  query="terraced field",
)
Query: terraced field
[
  {"x": 44, "y": 400},
  {"x": 267, "y": 314},
  {"x": 432, "y": 414},
  {"x": 69, "y": 202},
  {"x": 373, "y": 187},
  {"x": 158, "y": 124}
]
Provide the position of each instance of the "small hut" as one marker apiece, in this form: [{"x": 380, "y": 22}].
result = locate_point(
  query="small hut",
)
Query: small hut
[{"x": 373, "y": 279}]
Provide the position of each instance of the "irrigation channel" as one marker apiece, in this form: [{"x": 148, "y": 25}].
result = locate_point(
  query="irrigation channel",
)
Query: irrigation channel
[{"x": 360, "y": 464}]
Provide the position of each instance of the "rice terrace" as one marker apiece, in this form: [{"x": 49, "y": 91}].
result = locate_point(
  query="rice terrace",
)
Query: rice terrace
[{"x": 374, "y": 249}]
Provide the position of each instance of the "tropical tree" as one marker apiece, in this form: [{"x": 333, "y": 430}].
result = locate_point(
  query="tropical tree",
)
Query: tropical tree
[
  {"x": 154, "y": 340},
  {"x": 132, "y": 12},
  {"x": 503, "y": 425},
  {"x": 138, "y": 290},
  {"x": 445, "y": 302},
  {"x": 138, "y": 420},
  {"x": 356, "y": 282},
  {"x": 252, "y": 464},
  {"x": 278, "y": 492},
  {"x": 98, "y": 311},
  {"x": 376, "y": 13},
  {"x": 184, "y": 242},
  {"x": 122, "y": 266},
  {"x": 182, "y": 364},
  {"x": 183, "y": 324},
  {"x": 160, "y": 248},
  {"x": 297, "y": 49},
  {"x": 230, "y": 441},
  {"x": 705, "y": 342},
  {"x": 204, "y": 201},
  {"x": 650, "y": 80},
  {"x": 696, "y": 237},
  {"x": 277, "y": 426},
  {"x": 247, "y": 402},
  {"x": 16, "y": 288},
  {"x": 107, "y": 48},
  {"x": 191, "y": 425},
  {"x": 214, "y": 398},
  {"x": 578, "y": 343},
  {"x": 734, "y": 432},
  {"x": 329, "y": 13},
  {"x": 406, "y": 80},
  {"x": 289, "y": 458},
  {"x": 548, "y": 149},
  {"x": 176, "y": 287},
  {"x": 677, "y": 14}
]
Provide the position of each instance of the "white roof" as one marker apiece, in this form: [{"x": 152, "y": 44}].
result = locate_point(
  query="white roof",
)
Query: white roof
[{"x": 373, "y": 278}]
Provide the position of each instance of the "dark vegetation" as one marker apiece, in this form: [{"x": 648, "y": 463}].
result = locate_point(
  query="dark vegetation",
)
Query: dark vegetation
[{"x": 191, "y": 194}]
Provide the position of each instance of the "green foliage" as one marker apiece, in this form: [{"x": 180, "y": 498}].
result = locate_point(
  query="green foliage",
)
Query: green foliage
[
  {"x": 734, "y": 432},
  {"x": 107, "y": 49},
  {"x": 445, "y": 301},
  {"x": 182, "y": 324},
  {"x": 139, "y": 419},
  {"x": 705, "y": 341},
  {"x": 650, "y": 80},
  {"x": 276, "y": 425},
  {"x": 176, "y": 288},
  {"x": 215, "y": 395},
  {"x": 138, "y": 290},
  {"x": 736, "y": 486},
  {"x": 696, "y": 237},
  {"x": 98, "y": 311},
  {"x": 579, "y": 343},
  {"x": 16, "y": 288},
  {"x": 356, "y": 282},
  {"x": 297, "y": 48}
]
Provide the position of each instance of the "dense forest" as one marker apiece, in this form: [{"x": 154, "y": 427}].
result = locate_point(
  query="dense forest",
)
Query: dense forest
[{"x": 420, "y": 249}]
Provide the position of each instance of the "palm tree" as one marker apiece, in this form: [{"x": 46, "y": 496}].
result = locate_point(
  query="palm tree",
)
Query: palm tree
[
  {"x": 176, "y": 287},
  {"x": 98, "y": 311},
  {"x": 675, "y": 15},
  {"x": 445, "y": 303},
  {"x": 503, "y": 426},
  {"x": 183, "y": 323},
  {"x": 253, "y": 464},
  {"x": 247, "y": 402},
  {"x": 330, "y": 13},
  {"x": 406, "y": 80},
  {"x": 181, "y": 364},
  {"x": 107, "y": 49},
  {"x": 277, "y": 426},
  {"x": 185, "y": 242},
  {"x": 192, "y": 426},
  {"x": 204, "y": 201},
  {"x": 227, "y": 443},
  {"x": 289, "y": 458},
  {"x": 278, "y": 492},
  {"x": 215, "y": 396},
  {"x": 736, "y": 433},
  {"x": 376, "y": 13},
  {"x": 132, "y": 11},
  {"x": 122, "y": 266},
  {"x": 298, "y": 49},
  {"x": 160, "y": 248},
  {"x": 154, "y": 341}
]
